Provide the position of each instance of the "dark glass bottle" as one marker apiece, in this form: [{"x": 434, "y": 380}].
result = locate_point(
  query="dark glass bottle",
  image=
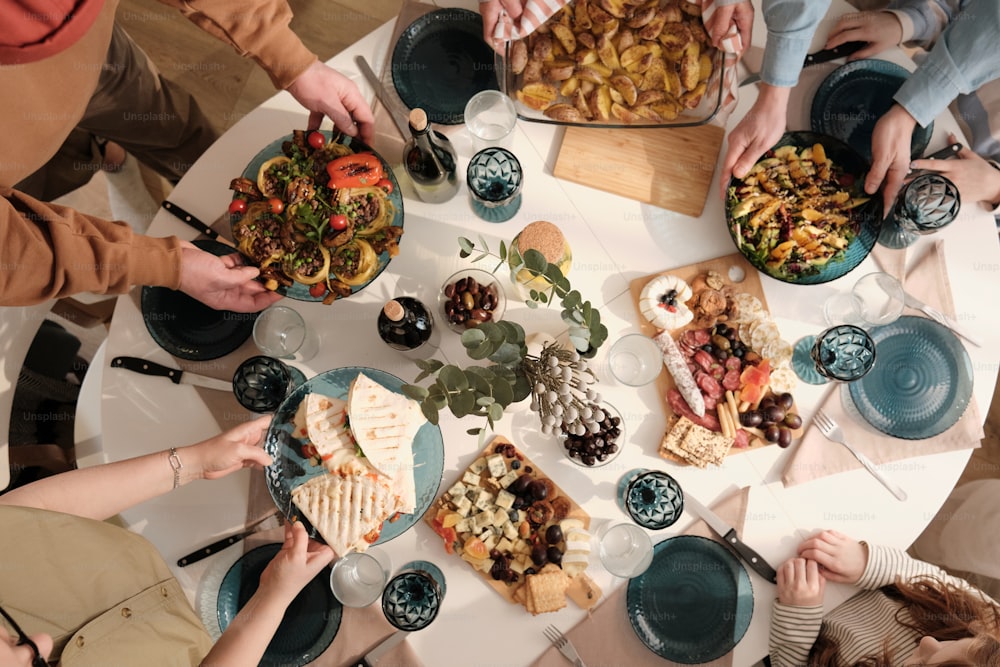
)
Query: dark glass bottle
[
  {"x": 430, "y": 160},
  {"x": 405, "y": 323}
]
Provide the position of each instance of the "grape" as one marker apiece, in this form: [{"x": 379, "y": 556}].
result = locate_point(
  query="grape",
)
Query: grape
[
  {"x": 539, "y": 555},
  {"x": 554, "y": 555},
  {"x": 772, "y": 433},
  {"x": 774, "y": 414},
  {"x": 554, "y": 534},
  {"x": 751, "y": 418},
  {"x": 784, "y": 437},
  {"x": 792, "y": 420},
  {"x": 786, "y": 401}
]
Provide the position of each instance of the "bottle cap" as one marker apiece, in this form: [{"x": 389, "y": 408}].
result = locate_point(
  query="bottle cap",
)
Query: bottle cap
[
  {"x": 418, "y": 120},
  {"x": 394, "y": 310},
  {"x": 544, "y": 237}
]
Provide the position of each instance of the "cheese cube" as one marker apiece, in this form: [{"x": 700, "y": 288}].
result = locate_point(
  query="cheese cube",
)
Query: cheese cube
[
  {"x": 500, "y": 518},
  {"x": 478, "y": 465},
  {"x": 518, "y": 566},
  {"x": 463, "y": 526},
  {"x": 510, "y": 531},
  {"x": 496, "y": 465},
  {"x": 483, "y": 519},
  {"x": 471, "y": 478},
  {"x": 520, "y": 546},
  {"x": 484, "y": 500},
  {"x": 490, "y": 541},
  {"x": 508, "y": 479},
  {"x": 463, "y": 505},
  {"x": 457, "y": 490},
  {"x": 504, "y": 545},
  {"x": 505, "y": 499}
]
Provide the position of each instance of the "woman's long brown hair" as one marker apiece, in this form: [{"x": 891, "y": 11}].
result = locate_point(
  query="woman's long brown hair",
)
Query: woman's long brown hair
[{"x": 939, "y": 610}]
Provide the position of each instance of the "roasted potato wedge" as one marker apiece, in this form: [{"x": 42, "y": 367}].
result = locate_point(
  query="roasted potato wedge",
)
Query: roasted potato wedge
[
  {"x": 625, "y": 87},
  {"x": 558, "y": 70},
  {"x": 600, "y": 103},
  {"x": 518, "y": 56},
  {"x": 538, "y": 96},
  {"x": 624, "y": 114},
  {"x": 566, "y": 38},
  {"x": 565, "y": 113},
  {"x": 607, "y": 53}
]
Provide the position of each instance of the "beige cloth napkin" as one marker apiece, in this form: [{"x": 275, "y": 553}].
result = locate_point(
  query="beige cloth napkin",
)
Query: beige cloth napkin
[
  {"x": 816, "y": 457},
  {"x": 605, "y": 638}
]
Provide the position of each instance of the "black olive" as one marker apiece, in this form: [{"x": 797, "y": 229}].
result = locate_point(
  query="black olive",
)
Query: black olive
[
  {"x": 785, "y": 400},
  {"x": 554, "y": 534},
  {"x": 784, "y": 437},
  {"x": 751, "y": 418},
  {"x": 792, "y": 420},
  {"x": 772, "y": 433},
  {"x": 774, "y": 414},
  {"x": 539, "y": 490},
  {"x": 539, "y": 555},
  {"x": 554, "y": 555}
]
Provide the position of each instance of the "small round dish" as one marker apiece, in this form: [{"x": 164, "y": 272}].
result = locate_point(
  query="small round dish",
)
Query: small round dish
[
  {"x": 854, "y": 96},
  {"x": 757, "y": 243},
  {"x": 310, "y": 622},
  {"x": 471, "y": 296},
  {"x": 921, "y": 384},
  {"x": 586, "y": 451}
]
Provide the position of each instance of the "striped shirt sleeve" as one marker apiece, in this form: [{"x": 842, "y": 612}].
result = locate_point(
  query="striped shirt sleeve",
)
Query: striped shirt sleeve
[{"x": 793, "y": 632}]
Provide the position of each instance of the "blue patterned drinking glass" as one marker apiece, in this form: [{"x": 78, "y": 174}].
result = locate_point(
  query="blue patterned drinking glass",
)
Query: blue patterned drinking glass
[
  {"x": 261, "y": 383},
  {"x": 652, "y": 498},
  {"x": 412, "y": 598},
  {"x": 495, "y": 178},
  {"x": 925, "y": 205},
  {"x": 844, "y": 352}
]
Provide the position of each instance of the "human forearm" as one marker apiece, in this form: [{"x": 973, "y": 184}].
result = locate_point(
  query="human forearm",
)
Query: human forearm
[
  {"x": 793, "y": 632},
  {"x": 887, "y": 565},
  {"x": 790, "y": 28},
  {"x": 247, "y": 636}
]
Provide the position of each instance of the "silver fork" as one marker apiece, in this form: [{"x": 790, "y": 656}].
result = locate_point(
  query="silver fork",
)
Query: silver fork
[
  {"x": 832, "y": 431},
  {"x": 558, "y": 639}
]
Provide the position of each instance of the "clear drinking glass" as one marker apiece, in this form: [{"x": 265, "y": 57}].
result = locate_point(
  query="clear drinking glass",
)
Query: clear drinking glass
[
  {"x": 282, "y": 333},
  {"x": 625, "y": 549},
  {"x": 652, "y": 498},
  {"x": 358, "y": 578},
  {"x": 925, "y": 205},
  {"x": 843, "y": 353},
  {"x": 412, "y": 598},
  {"x": 635, "y": 360},
  {"x": 262, "y": 383},
  {"x": 495, "y": 178},
  {"x": 876, "y": 299},
  {"x": 490, "y": 117}
]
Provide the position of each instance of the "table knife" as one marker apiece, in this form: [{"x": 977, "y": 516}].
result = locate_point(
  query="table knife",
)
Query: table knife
[
  {"x": 175, "y": 375},
  {"x": 728, "y": 534},
  {"x": 401, "y": 120},
  {"x": 826, "y": 55},
  {"x": 372, "y": 657},
  {"x": 194, "y": 222},
  {"x": 225, "y": 542},
  {"x": 938, "y": 316}
]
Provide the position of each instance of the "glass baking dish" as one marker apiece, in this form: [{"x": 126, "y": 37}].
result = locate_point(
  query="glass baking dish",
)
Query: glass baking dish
[{"x": 560, "y": 51}]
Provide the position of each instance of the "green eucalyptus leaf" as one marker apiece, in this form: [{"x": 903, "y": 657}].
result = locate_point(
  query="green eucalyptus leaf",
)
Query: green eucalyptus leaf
[
  {"x": 430, "y": 412},
  {"x": 416, "y": 392},
  {"x": 437, "y": 396},
  {"x": 531, "y": 304},
  {"x": 473, "y": 337},
  {"x": 474, "y": 431},
  {"x": 453, "y": 378},
  {"x": 481, "y": 351},
  {"x": 534, "y": 261},
  {"x": 507, "y": 354},
  {"x": 481, "y": 256},
  {"x": 503, "y": 250},
  {"x": 463, "y": 403},
  {"x": 466, "y": 245},
  {"x": 512, "y": 331},
  {"x": 483, "y": 244},
  {"x": 479, "y": 379},
  {"x": 571, "y": 300},
  {"x": 503, "y": 393},
  {"x": 495, "y": 413},
  {"x": 428, "y": 365},
  {"x": 486, "y": 401},
  {"x": 521, "y": 389}
]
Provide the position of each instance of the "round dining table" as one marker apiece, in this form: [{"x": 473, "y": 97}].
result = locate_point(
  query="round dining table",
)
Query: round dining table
[{"x": 614, "y": 241}]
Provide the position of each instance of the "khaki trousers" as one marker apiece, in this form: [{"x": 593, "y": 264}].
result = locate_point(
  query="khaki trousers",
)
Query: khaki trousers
[{"x": 153, "y": 118}]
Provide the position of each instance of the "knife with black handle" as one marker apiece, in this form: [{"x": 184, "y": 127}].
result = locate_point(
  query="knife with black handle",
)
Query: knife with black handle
[
  {"x": 729, "y": 536},
  {"x": 192, "y": 221},
  {"x": 225, "y": 542}
]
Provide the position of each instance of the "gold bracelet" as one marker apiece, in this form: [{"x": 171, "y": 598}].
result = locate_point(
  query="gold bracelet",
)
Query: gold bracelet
[{"x": 176, "y": 465}]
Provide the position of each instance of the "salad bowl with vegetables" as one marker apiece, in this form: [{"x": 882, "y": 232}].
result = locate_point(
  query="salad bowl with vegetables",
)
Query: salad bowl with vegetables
[
  {"x": 319, "y": 214},
  {"x": 801, "y": 214}
]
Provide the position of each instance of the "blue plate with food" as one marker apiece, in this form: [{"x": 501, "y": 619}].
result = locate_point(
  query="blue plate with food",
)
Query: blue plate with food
[
  {"x": 319, "y": 213},
  {"x": 310, "y": 622},
  {"x": 694, "y": 602},
  {"x": 801, "y": 214},
  {"x": 854, "y": 96},
  {"x": 354, "y": 458}
]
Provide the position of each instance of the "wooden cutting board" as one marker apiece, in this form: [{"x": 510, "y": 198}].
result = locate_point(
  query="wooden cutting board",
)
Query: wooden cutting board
[{"x": 672, "y": 168}]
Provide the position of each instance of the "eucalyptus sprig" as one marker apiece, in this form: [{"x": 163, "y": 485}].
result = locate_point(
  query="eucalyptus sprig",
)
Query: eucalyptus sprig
[{"x": 586, "y": 331}]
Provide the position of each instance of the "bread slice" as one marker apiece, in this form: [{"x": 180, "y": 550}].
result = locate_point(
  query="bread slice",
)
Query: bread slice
[
  {"x": 346, "y": 509},
  {"x": 384, "y": 424}
]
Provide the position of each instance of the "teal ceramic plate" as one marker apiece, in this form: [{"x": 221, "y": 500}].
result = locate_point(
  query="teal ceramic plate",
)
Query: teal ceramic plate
[
  {"x": 854, "y": 96},
  {"x": 694, "y": 603},
  {"x": 440, "y": 61},
  {"x": 310, "y": 623},
  {"x": 187, "y": 328},
  {"x": 298, "y": 291},
  {"x": 291, "y": 469},
  {"x": 921, "y": 383}
]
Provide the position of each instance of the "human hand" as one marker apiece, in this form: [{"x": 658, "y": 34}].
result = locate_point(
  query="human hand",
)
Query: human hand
[
  {"x": 800, "y": 583},
  {"x": 739, "y": 14},
  {"x": 298, "y": 563},
  {"x": 227, "y": 452},
  {"x": 976, "y": 179},
  {"x": 491, "y": 11},
  {"x": 890, "y": 154},
  {"x": 222, "y": 283},
  {"x": 326, "y": 92},
  {"x": 755, "y": 133},
  {"x": 841, "y": 559},
  {"x": 881, "y": 30}
]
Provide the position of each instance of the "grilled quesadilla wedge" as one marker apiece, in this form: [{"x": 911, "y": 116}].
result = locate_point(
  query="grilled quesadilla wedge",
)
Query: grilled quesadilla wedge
[{"x": 347, "y": 510}]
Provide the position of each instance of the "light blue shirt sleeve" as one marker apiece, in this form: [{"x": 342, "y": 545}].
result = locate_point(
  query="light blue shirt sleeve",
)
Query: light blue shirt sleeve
[
  {"x": 966, "y": 57},
  {"x": 927, "y": 17},
  {"x": 790, "y": 28}
]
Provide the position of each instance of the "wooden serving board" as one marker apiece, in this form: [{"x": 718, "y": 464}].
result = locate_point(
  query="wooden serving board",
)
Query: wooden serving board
[
  {"x": 721, "y": 265},
  {"x": 671, "y": 168},
  {"x": 574, "y": 511}
]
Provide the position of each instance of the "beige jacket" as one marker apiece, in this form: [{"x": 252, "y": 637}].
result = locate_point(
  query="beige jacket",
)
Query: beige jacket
[{"x": 103, "y": 593}]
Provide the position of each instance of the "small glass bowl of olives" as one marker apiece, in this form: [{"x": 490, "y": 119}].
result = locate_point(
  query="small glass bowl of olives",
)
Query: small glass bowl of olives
[
  {"x": 470, "y": 297},
  {"x": 774, "y": 418},
  {"x": 597, "y": 447}
]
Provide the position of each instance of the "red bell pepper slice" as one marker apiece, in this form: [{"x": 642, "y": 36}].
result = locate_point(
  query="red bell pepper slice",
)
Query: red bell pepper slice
[{"x": 354, "y": 171}]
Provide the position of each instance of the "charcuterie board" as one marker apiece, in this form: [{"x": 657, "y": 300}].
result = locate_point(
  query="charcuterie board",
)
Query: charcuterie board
[{"x": 735, "y": 277}]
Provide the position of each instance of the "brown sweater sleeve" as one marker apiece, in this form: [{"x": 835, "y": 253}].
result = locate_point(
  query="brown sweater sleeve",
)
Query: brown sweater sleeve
[
  {"x": 51, "y": 251},
  {"x": 255, "y": 28}
]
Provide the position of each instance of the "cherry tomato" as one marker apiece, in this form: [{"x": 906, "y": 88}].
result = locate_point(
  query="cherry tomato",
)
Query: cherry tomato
[
  {"x": 237, "y": 206},
  {"x": 317, "y": 290},
  {"x": 338, "y": 222},
  {"x": 276, "y": 205},
  {"x": 386, "y": 185},
  {"x": 316, "y": 139}
]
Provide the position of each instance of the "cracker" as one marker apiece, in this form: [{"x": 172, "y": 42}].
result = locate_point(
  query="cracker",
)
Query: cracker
[
  {"x": 707, "y": 445},
  {"x": 546, "y": 591},
  {"x": 672, "y": 438}
]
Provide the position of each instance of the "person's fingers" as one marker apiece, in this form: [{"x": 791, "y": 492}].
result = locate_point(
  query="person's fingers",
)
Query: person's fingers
[
  {"x": 865, "y": 52},
  {"x": 811, "y": 570},
  {"x": 893, "y": 183},
  {"x": 315, "y": 119},
  {"x": 262, "y": 300},
  {"x": 877, "y": 174},
  {"x": 513, "y": 8}
]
